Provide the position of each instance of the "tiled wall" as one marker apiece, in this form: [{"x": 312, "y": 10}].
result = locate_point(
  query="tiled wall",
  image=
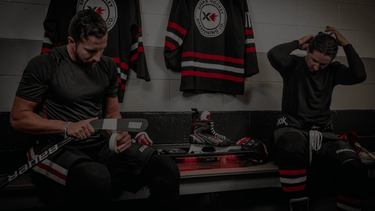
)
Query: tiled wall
[{"x": 274, "y": 22}]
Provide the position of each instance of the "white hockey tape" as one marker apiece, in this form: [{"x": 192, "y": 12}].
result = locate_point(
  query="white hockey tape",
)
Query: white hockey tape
[
  {"x": 109, "y": 124},
  {"x": 113, "y": 142}
]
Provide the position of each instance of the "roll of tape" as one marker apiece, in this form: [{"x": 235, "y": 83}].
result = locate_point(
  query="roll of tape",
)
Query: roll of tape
[{"x": 113, "y": 142}]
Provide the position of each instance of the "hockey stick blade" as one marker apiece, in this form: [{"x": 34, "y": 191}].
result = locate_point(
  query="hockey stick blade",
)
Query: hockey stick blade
[{"x": 131, "y": 125}]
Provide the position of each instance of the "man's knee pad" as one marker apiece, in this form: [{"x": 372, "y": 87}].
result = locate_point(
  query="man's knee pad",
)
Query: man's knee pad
[
  {"x": 291, "y": 147},
  {"x": 90, "y": 181},
  {"x": 166, "y": 166}
]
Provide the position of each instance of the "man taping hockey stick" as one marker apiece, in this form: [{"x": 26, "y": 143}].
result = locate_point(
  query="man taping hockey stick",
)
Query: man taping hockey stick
[
  {"x": 130, "y": 125},
  {"x": 68, "y": 91}
]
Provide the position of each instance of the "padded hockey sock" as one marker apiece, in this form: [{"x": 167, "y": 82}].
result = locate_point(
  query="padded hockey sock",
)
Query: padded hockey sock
[
  {"x": 292, "y": 158},
  {"x": 351, "y": 183},
  {"x": 348, "y": 204},
  {"x": 293, "y": 182}
]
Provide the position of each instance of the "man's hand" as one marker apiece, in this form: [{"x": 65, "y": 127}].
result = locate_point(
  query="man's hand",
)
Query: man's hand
[
  {"x": 123, "y": 141},
  {"x": 339, "y": 38},
  {"x": 81, "y": 129},
  {"x": 303, "y": 42}
]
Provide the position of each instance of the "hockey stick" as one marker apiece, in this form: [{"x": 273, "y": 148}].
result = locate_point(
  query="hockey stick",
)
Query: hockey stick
[
  {"x": 351, "y": 137},
  {"x": 364, "y": 150},
  {"x": 131, "y": 125}
]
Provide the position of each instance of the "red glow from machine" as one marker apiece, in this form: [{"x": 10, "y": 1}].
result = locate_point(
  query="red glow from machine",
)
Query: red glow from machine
[{"x": 208, "y": 162}]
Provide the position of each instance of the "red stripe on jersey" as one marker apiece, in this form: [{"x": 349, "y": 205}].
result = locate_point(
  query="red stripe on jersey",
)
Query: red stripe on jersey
[
  {"x": 122, "y": 64},
  {"x": 212, "y": 57},
  {"x": 134, "y": 57},
  {"x": 177, "y": 27},
  {"x": 251, "y": 49},
  {"x": 350, "y": 200},
  {"x": 294, "y": 189},
  {"x": 249, "y": 31},
  {"x": 141, "y": 50},
  {"x": 139, "y": 31},
  {"x": 292, "y": 172},
  {"x": 211, "y": 75},
  {"x": 45, "y": 50},
  {"x": 121, "y": 84},
  {"x": 170, "y": 45}
]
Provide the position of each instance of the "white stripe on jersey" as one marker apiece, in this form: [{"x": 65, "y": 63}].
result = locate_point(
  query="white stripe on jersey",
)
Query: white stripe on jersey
[
  {"x": 249, "y": 41},
  {"x": 47, "y": 40},
  {"x": 212, "y": 66},
  {"x": 122, "y": 75},
  {"x": 247, "y": 19},
  {"x": 135, "y": 45},
  {"x": 175, "y": 37}
]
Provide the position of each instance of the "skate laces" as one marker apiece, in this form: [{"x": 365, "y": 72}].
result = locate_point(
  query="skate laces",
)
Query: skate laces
[
  {"x": 214, "y": 133},
  {"x": 316, "y": 138}
]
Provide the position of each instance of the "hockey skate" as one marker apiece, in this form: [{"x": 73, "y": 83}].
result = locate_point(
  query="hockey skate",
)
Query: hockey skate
[{"x": 203, "y": 132}]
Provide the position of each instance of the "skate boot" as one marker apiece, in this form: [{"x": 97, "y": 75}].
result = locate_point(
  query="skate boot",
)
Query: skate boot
[
  {"x": 203, "y": 132},
  {"x": 300, "y": 204}
]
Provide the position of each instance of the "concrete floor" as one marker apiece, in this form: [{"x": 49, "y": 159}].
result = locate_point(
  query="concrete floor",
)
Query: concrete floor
[
  {"x": 265, "y": 199},
  {"x": 260, "y": 200}
]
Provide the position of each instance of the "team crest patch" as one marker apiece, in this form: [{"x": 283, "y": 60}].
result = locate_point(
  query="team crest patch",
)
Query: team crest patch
[
  {"x": 106, "y": 8},
  {"x": 210, "y": 17}
]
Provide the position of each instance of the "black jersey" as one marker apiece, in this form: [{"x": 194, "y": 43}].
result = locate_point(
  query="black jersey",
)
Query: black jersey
[
  {"x": 307, "y": 95},
  {"x": 212, "y": 44},
  {"x": 66, "y": 90}
]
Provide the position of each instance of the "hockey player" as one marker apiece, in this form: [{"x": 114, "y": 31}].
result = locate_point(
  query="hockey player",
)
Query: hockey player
[
  {"x": 124, "y": 43},
  {"x": 60, "y": 93},
  {"x": 304, "y": 135}
]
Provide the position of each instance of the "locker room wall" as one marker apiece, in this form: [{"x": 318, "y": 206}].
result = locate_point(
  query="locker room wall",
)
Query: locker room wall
[{"x": 274, "y": 22}]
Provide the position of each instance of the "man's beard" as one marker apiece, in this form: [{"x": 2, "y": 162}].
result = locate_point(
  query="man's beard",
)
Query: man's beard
[{"x": 81, "y": 62}]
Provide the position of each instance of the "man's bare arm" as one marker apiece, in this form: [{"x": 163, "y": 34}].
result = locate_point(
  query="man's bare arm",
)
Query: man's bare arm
[{"x": 23, "y": 118}]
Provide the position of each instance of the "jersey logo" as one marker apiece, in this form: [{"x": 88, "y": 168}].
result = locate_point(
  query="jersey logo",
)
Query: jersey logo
[
  {"x": 106, "y": 8},
  {"x": 210, "y": 18}
]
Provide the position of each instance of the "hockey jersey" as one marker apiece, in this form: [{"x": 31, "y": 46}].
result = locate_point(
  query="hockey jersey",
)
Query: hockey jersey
[
  {"x": 124, "y": 45},
  {"x": 211, "y": 42}
]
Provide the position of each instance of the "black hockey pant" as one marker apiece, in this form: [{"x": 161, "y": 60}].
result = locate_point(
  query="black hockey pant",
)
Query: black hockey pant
[
  {"x": 336, "y": 158},
  {"x": 91, "y": 184}
]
